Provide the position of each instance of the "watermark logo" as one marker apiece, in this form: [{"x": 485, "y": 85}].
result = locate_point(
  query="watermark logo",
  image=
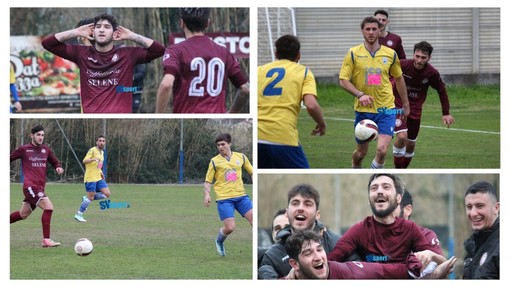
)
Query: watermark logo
[
  {"x": 377, "y": 258},
  {"x": 124, "y": 89},
  {"x": 387, "y": 111},
  {"x": 108, "y": 204}
]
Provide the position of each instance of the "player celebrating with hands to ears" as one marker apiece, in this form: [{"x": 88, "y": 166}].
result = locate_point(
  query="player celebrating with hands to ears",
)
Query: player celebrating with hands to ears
[{"x": 106, "y": 70}]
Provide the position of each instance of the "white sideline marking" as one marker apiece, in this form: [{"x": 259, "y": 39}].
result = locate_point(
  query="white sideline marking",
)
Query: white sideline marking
[{"x": 429, "y": 127}]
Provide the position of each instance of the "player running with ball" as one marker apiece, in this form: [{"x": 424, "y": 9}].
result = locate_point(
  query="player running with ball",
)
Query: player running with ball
[{"x": 34, "y": 157}]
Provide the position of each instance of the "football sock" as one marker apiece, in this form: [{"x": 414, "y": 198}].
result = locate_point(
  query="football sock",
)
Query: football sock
[
  {"x": 376, "y": 165},
  {"x": 99, "y": 195},
  {"x": 221, "y": 237},
  {"x": 15, "y": 216},
  {"x": 46, "y": 220},
  {"x": 398, "y": 161},
  {"x": 407, "y": 159},
  {"x": 84, "y": 205},
  {"x": 398, "y": 156}
]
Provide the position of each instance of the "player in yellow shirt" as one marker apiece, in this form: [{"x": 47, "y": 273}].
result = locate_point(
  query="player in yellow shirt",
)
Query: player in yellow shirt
[
  {"x": 14, "y": 92},
  {"x": 282, "y": 86},
  {"x": 365, "y": 74},
  {"x": 225, "y": 171},
  {"x": 95, "y": 184}
]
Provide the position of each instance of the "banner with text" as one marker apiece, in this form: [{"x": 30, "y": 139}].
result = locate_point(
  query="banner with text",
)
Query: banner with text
[
  {"x": 45, "y": 82},
  {"x": 237, "y": 43}
]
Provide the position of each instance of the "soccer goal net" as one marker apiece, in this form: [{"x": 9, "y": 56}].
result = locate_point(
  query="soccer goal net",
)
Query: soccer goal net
[{"x": 273, "y": 23}]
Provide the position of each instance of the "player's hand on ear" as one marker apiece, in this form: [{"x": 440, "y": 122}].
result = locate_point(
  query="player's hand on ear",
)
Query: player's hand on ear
[
  {"x": 122, "y": 34},
  {"x": 86, "y": 31}
]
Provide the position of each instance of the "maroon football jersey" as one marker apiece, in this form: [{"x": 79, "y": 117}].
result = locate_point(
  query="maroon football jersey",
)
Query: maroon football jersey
[
  {"x": 106, "y": 78},
  {"x": 366, "y": 270},
  {"x": 395, "y": 42},
  {"x": 417, "y": 83},
  {"x": 377, "y": 242},
  {"x": 33, "y": 162},
  {"x": 432, "y": 239},
  {"x": 201, "y": 69}
]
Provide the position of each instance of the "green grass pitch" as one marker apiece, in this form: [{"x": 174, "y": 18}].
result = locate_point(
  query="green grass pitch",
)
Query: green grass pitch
[
  {"x": 472, "y": 142},
  {"x": 167, "y": 233}
]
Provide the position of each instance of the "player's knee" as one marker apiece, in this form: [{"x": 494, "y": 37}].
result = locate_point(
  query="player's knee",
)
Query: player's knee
[
  {"x": 229, "y": 228},
  {"x": 24, "y": 215},
  {"x": 360, "y": 153},
  {"x": 381, "y": 150}
]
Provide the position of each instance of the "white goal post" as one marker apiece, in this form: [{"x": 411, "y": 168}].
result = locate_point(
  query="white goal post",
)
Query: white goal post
[{"x": 273, "y": 23}]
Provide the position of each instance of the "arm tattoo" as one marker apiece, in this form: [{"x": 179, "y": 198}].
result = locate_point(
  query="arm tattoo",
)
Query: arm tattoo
[
  {"x": 140, "y": 40},
  {"x": 67, "y": 36}
]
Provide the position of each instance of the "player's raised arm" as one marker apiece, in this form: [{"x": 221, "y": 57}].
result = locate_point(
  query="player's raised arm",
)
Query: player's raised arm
[
  {"x": 123, "y": 33},
  {"x": 82, "y": 31}
]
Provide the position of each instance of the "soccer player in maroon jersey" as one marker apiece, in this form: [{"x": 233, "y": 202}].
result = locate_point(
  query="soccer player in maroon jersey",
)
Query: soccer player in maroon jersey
[
  {"x": 419, "y": 74},
  {"x": 196, "y": 71},
  {"x": 405, "y": 210},
  {"x": 309, "y": 261},
  {"x": 34, "y": 157},
  {"x": 388, "y": 39},
  {"x": 106, "y": 70},
  {"x": 383, "y": 237}
]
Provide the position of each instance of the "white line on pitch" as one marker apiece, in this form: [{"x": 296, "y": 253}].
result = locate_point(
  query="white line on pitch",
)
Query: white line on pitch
[{"x": 429, "y": 127}]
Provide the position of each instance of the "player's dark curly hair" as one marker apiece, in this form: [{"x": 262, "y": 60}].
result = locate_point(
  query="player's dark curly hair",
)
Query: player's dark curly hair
[
  {"x": 287, "y": 47},
  {"x": 306, "y": 191},
  {"x": 195, "y": 19},
  {"x": 423, "y": 46},
  {"x": 294, "y": 243},
  {"x": 399, "y": 185},
  {"x": 370, "y": 19},
  {"x": 108, "y": 18}
]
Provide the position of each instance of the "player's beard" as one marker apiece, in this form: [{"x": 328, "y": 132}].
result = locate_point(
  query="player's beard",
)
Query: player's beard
[
  {"x": 371, "y": 41},
  {"x": 385, "y": 212},
  {"x": 36, "y": 142},
  {"x": 106, "y": 42}
]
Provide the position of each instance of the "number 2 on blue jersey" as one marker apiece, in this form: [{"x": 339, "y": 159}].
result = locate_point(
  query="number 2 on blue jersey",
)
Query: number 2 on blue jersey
[{"x": 271, "y": 89}]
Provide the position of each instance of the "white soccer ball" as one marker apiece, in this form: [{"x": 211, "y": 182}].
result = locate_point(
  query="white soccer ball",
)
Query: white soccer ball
[
  {"x": 83, "y": 247},
  {"x": 366, "y": 130}
]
